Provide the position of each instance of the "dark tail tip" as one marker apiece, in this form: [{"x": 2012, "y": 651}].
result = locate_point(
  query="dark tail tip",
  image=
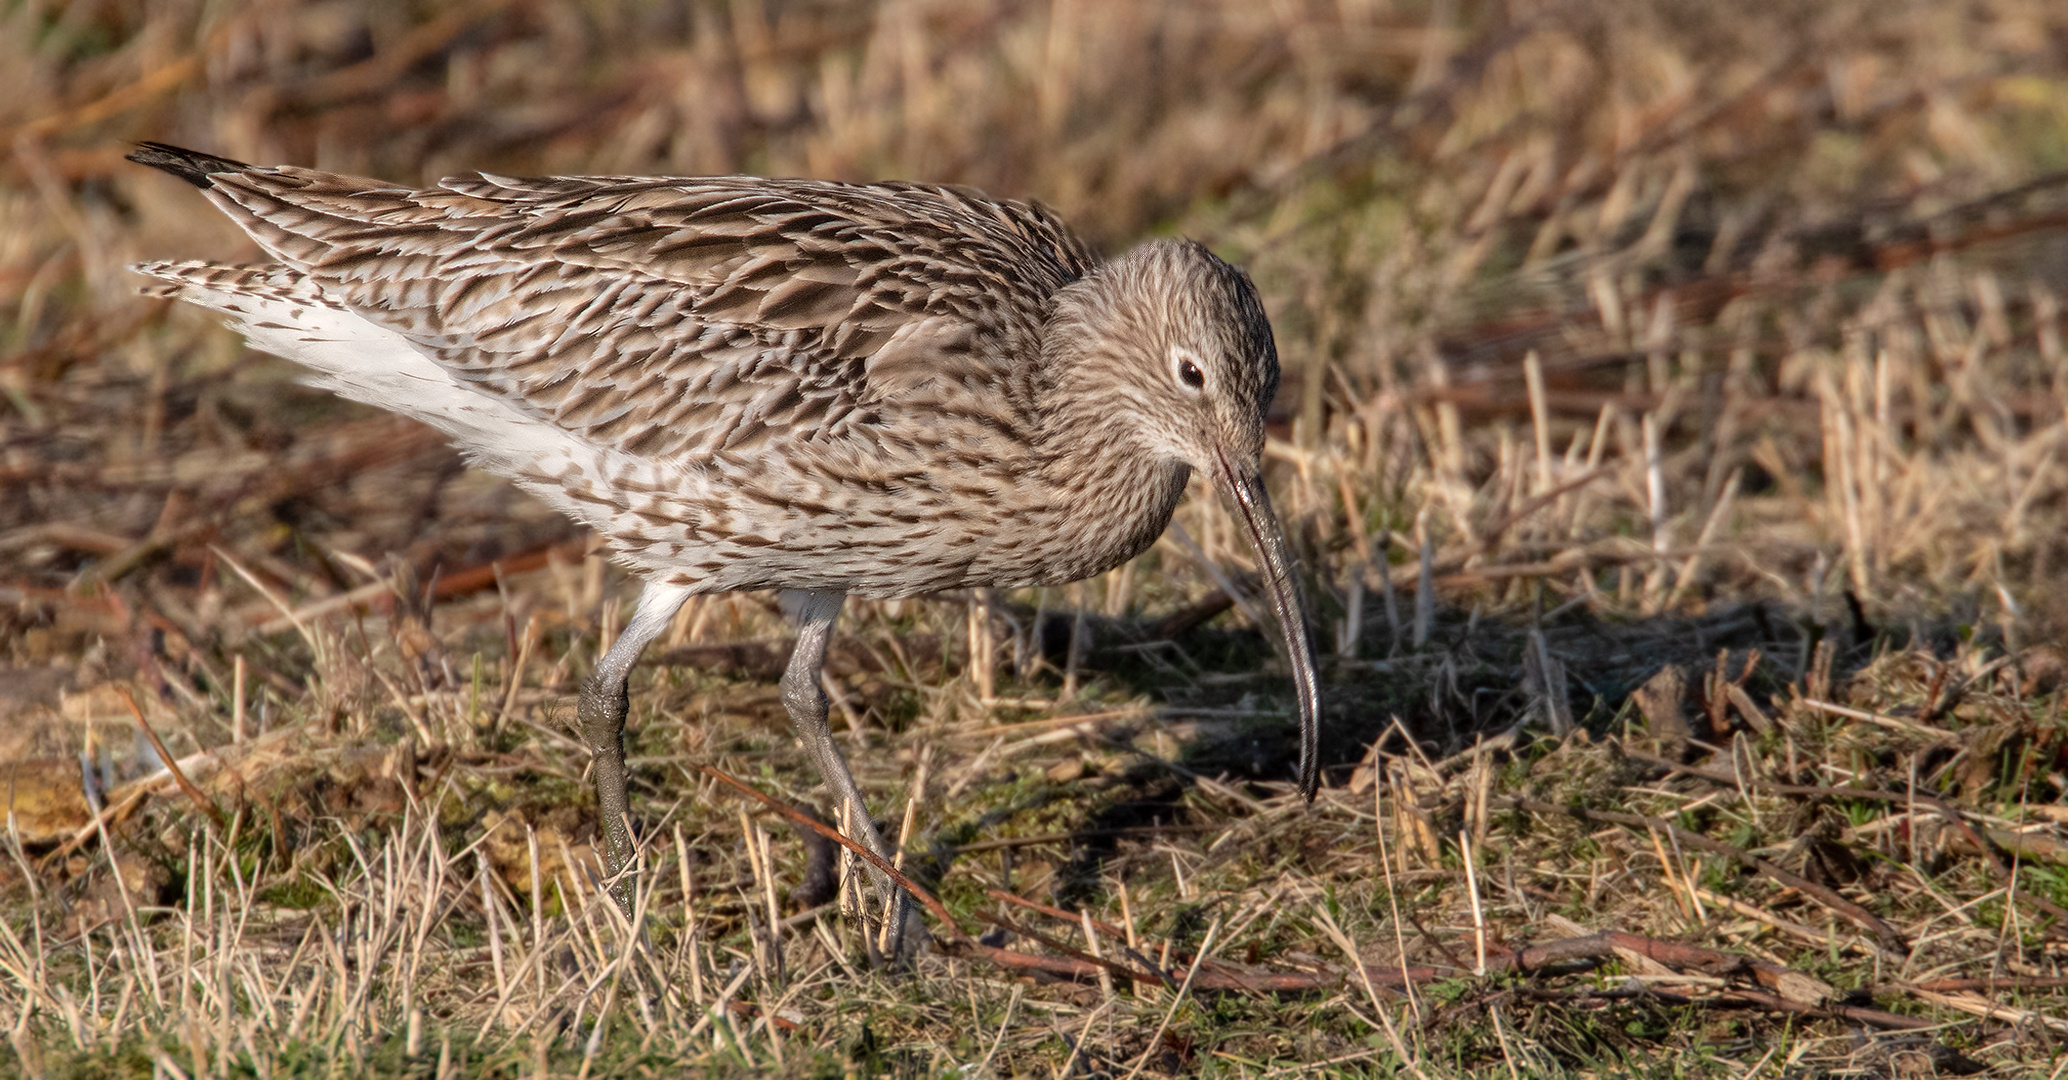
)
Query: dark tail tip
[{"x": 193, "y": 166}]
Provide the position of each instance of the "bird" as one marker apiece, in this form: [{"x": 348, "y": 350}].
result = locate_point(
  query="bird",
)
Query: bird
[{"x": 823, "y": 388}]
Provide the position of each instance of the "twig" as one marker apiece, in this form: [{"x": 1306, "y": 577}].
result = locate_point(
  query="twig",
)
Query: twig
[
  {"x": 1733, "y": 904},
  {"x": 172, "y": 765},
  {"x": 805, "y": 821},
  {"x": 1119, "y": 935},
  {"x": 1098, "y": 965},
  {"x": 1989, "y": 984},
  {"x": 1875, "y": 1017},
  {"x": 1750, "y": 998},
  {"x": 1976, "y": 1005},
  {"x": 1892, "y": 723},
  {"x": 1487, "y": 543},
  {"x": 1051, "y": 911}
]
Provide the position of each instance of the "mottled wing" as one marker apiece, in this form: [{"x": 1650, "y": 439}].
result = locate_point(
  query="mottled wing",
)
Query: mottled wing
[{"x": 680, "y": 317}]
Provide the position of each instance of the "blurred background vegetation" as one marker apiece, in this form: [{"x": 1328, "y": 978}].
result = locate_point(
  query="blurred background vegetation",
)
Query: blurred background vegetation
[
  {"x": 1616, "y": 332},
  {"x": 1814, "y": 246}
]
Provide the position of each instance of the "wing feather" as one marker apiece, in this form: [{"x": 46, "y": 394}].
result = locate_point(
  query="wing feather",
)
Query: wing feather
[{"x": 678, "y": 316}]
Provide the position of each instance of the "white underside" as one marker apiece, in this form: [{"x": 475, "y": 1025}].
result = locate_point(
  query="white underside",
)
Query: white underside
[{"x": 366, "y": 362}]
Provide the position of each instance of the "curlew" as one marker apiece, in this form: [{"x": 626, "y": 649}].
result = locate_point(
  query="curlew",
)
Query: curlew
[{"x": 822, "y": 388}]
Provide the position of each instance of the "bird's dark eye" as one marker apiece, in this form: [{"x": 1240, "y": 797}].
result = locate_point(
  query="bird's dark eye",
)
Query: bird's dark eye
[{"x": 1190, "y": 374}]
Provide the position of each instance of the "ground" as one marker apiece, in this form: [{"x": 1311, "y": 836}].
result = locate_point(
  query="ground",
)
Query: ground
[{"x": 1670, "y": 438}]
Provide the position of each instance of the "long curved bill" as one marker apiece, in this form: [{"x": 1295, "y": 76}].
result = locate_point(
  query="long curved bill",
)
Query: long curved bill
[{"x": 1253, "y": 506}]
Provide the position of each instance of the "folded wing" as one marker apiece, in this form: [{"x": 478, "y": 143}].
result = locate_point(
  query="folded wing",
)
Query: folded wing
[{"x": 668, "y": 317}]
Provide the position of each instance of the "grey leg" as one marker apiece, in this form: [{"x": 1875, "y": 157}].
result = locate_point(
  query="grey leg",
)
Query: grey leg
[
  {"x": 601, "y": 709},
  {"x": 804, "y": 695}
]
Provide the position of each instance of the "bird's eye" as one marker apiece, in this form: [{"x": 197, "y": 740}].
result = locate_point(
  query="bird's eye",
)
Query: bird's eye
[{"x": 1189, "y": 374}]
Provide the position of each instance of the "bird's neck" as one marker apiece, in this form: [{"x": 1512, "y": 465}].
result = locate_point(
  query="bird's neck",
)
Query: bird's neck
[{"x": 1104, "y": 485}]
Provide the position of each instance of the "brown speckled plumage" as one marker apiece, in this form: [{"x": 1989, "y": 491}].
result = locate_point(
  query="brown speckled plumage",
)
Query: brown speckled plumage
[{"x": 740, "y": 383}]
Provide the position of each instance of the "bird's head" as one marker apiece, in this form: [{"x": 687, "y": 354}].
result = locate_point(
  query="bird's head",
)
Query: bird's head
[
  {"x": 1175, "y": 340},
  {"x": 1173, "y": 344}
]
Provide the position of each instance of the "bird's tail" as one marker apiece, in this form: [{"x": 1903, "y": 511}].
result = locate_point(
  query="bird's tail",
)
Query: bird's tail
[{"x": 193, "y": 166}]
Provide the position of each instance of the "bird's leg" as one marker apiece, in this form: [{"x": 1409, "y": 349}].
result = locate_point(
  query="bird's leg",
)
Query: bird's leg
[
  {"x": 804, "y": 695},
  {"x": 601, "y": 709}
]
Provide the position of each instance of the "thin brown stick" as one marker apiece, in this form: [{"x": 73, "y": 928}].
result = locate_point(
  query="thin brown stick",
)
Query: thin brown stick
[
  {"x": 1675, "y": 954},
  {"x": 804, "y": 821},
  {"x": 172, "y": 765},
  {"x": 1098, "y": 963},
  {"x": 1743, "y": 998},
  {"x": 1492, "y": 538},
  {"x": 1985, "y": 985},
  {"x": 1872, "y": 1017},
  {"x": 1119, "y": 935},
  {"x": 1052, "y": 911}
]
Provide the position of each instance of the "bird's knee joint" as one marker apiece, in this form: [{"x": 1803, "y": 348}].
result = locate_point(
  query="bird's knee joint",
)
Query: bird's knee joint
[
  {"x": 601, "y": 707},
  {"x": 803, "y": 695}
]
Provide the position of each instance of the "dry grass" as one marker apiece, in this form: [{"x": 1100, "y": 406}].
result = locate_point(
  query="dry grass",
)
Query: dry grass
[{"x": 1668, "y": 386}]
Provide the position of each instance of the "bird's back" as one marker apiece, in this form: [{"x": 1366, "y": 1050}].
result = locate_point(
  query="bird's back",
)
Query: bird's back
[{"x": 738, "y": 382}]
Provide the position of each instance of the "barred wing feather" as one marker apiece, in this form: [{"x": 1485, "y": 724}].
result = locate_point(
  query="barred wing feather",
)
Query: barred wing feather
[{"x": 669, "y": 317}]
